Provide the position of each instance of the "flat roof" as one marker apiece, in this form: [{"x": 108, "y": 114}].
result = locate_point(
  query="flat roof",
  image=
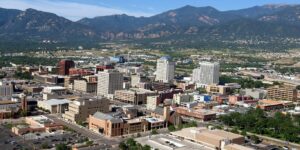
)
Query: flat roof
[
  {"x": 220, "y": 134},
  {"x": 236, "y": 146},
  {"x": 137, "y": 90},
  {"x": 267, "y": 102},
  {"x": 135, "y": 120},
  {"x": 7, "y": 102},
  {"x": 103, "y": 116},
  {"x": 55, "y": 101},
  {"x": 55, "y": 88},
  {"x": 192, "y": 133},
  {"x": 154, "y": 120},
  {"x": 168, "y": 142}
]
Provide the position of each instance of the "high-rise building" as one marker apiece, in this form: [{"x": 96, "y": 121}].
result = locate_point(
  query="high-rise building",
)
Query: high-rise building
[
  {"x": 108, "y": 82},
  {"x": 165, "y": 70},
  {"x": 64, "y": 66},
  {"x": 207, "y": 73}
]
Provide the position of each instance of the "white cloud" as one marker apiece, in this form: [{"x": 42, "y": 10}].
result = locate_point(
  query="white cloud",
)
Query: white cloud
[{"x": 71, "y": 10}]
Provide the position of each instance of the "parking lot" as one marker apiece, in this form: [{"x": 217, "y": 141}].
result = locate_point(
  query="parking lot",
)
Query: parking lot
[{"x": 10, "y": 141}]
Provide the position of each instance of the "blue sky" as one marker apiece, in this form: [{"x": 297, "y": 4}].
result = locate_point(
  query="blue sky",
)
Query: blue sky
[{"x": 77, "y": 9}]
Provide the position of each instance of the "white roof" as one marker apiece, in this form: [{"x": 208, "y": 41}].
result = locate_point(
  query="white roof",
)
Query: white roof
[
  {"x": 55, "y": 88},
  {"x": 56, "y": 101}
]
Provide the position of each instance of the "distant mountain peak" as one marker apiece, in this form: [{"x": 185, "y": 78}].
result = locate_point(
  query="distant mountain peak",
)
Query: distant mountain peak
[{"x": 275, "y": 6}]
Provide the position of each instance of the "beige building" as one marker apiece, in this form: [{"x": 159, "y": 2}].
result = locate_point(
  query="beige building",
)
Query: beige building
[
  {"x": 215, "y": 139},
  {"x": 37, "y": 124},
  {"x": 182, "y": 98},
  {"x": 108, "y": 82},
  {"x": 54, "y": 105},
  {"x": 85, "y": 86},
  {"x": 218, "y": 89},
  {"x": 136, "y": 79},
  {"x": 152, "y": 102},
  {"x": 288, "y": 93},
  {"x": 113, "y": 126},
  {"x": 134, "y": 95},
  {"x": 165, "y": 70},
  {"x": 79, "y": 110}
]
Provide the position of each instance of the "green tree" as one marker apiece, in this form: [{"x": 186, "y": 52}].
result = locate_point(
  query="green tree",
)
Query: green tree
[
  {"x": 62, "y": 146},
  {"x": 123, "y": 146},
  {"x": 45, "y": 146},
  {"x": 171, "y": 128},
  {"x": 154, "y": 131},
  {"x": 255, "y": 139},
  {"x": 146, "y": 147}
]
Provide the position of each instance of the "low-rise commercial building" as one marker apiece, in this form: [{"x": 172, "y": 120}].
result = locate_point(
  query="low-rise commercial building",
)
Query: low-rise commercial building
[
  {"x": 155, "y": 123},
  {"x": 113, "y": 126},
  {"x": 134, "y": 95},
  {"x": 201, "y": 114},
  {"x": 255, "y": 93},
  {"x": 54, "y": 105},
  {"x": 233, "y": 99},
  {"x": 8, "y": 109},
  {"x": 37, "y": 124},
  {"x": 218, "y": 89},
  {"x": 215, "y": 139},
  {"x": 182, "y": 98},
  {"x": 53, "y": 92},
  {"x": 79, "y": 110},
  {"x": 268, "y": 105}
]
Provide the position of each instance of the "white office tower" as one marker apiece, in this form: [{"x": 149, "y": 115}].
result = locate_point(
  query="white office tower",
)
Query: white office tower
[
  {"x": 207, "y": 73},
  {"x": 108, "y": 82},
  {"x": 165, "y": 70}
]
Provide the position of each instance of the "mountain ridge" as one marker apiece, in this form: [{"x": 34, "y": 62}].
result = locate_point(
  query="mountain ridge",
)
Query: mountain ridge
[{"x": 268, "y": 23}]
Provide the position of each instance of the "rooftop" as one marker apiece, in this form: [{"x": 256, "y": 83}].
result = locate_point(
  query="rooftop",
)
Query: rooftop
[
  {"x": 103, "y": 116},
  {"x": 55, "y": 101},
  {"x": 267, "y": 102},
  {"x": 236, "y": 146},
  {"x": 167, "y": 142},
  {"x": 192, "y": 133},
  {"x": 154, "y": 120},
  {"x": 4, "y": 102},
  {"x": 55, "y": 88}
]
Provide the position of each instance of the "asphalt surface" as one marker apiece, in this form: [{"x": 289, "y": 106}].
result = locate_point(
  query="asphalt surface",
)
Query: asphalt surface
[
  {"x": 97, "y": 138},
  {"x": 10, "y": 141}
]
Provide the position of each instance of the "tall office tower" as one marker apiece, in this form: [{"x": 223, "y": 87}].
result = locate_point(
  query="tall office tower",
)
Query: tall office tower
[
  {"x": 207, "y": 73},
  {"x": 64, "y": 66},
  {"x": 108, "y": 82},
  {"x": 165, "y": 70}
]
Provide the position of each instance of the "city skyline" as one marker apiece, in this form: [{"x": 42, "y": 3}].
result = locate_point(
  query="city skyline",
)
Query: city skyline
[{"x": 91, "y": 8}]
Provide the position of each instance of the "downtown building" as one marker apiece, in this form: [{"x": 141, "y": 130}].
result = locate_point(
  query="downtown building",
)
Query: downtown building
[
  {"x": 207, "y": 73},
  {"x": 286, "y": 93},
  {"x": 64, "y": 66},
  {"x": 134, "y": 95},
  {"x": 109, "y": 81},
  {"x": 79, "y": 110},
  {"x": 165, "y": 70}
]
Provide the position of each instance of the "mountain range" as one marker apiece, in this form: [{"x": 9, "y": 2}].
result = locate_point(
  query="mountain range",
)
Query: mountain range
[{"x": 262, "y": 27}]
